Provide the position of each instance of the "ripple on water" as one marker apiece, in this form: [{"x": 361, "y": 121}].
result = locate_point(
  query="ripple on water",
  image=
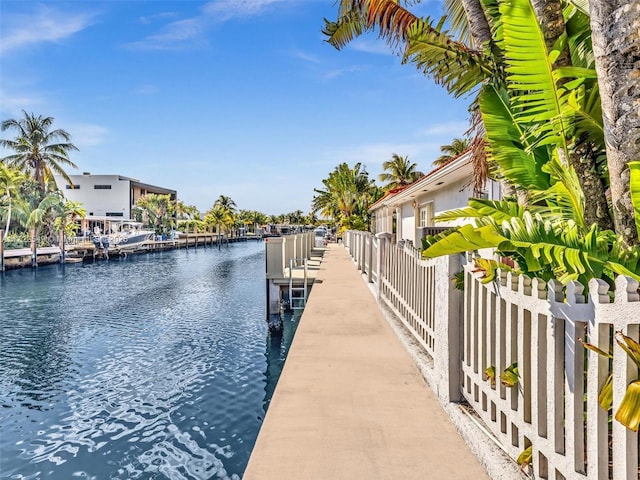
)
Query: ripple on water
[{"x": 149, "y": 367}]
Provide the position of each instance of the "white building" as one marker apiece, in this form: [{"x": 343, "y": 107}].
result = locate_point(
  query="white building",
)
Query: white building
[
  {"x": 108, "y": 196},
  {"x": 409, "y": 211}
]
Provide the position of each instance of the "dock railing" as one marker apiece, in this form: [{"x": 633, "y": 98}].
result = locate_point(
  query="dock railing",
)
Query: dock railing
[
  {"x": 528, "y": 324},
  {"x": 280, "y": 250},
  {"x": 282, "y": 255}
]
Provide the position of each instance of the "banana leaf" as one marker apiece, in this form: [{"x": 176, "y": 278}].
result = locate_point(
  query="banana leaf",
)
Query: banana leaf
[
  {"x": 526, "y": 457},
  {"x": 628, "y": 413},
  {"x": 634, "y": 184},
  {"x": 510, "y": 376}
]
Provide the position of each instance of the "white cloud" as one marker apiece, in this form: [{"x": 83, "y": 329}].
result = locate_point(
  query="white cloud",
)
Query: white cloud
[
  {"x": 305, "y": 56},
  {"x": 189, "y": 32},
  {"x": 147, "y": 90},
  {"x": 227, "y": 9},
  {"x": 86, "y": 134},
  {"x": 44, "y": 25},
  {"x": 451, "y": 129},
  {"x": 338, "y": 72},
  {"x": 378, "y": 46},
  {"x": 158, "y": 16},
  {"x": 13, "y": 104}
]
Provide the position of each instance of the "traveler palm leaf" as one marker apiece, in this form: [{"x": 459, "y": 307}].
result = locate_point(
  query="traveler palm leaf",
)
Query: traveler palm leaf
[
  {"x": 538, "y": 99},
  {"x": 509, "y": 144},
  {"x": 543, "y": 248}
]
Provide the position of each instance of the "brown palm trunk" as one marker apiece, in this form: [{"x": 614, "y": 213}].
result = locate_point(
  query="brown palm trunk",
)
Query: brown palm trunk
[
  {"x": 615, "y": 26},
  {"x": 478, "y": 24}
]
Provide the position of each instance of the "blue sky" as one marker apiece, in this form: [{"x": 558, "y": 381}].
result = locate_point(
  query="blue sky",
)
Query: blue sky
[{"x": 235, "y": 97}]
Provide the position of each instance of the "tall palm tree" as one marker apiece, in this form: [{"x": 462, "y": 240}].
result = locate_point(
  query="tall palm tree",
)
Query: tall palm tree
[
  {"x": 32, "y": 213},
  {"x": 10, "y": 180},
  {"x": 346, "y": 196},
  {"x": 451, "y": 151},
  {"x": 399, "y": 172},
  {"x": 225, "y": 203},
  {"x": 219, "y": 217},
  {"x": 38, "y": 150}
]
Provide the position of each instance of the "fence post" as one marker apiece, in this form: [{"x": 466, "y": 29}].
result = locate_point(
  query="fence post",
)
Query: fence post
[
  {"x": 448, "y": 330},
  {"x": 370, "y": 258},
  {"x": 359, "y": 258},
  {"x": 1, "y": 250},
  {"x": 383, "y": 244}
]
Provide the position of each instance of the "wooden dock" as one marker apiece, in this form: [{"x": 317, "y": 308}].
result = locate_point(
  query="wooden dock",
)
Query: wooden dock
[{"x": 86, "y": 250}]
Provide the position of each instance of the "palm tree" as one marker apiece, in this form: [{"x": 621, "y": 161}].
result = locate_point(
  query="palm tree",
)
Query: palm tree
[
  {"x": 451, "y": 151},
  {"x": 217, "y": 216},
  {"x": 346, "y": 196},
  {"x": 614, "y": 27},
  {"x": 186, "y": 212},
  {"x": 32, "y": 212},
  {"x": 10, "y": 181},
  {"x": 38, "y": 151},
  {"x": 399, "y": 172},
  {"x": 159, "y": 210},
  {"x": 225, "y": 203},
  {"x": 68, "y": 212}
]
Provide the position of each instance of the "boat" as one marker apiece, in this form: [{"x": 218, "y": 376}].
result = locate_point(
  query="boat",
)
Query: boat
[
  {"x": 124, "y": 235},
  {"x": 73, "y": 259}
]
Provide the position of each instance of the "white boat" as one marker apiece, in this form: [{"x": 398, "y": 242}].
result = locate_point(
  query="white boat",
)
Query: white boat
[{"x": 127, "y": 235}]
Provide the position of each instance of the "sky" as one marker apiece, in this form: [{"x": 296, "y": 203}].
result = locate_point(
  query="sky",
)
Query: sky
[{"x": 242, "y": 98}]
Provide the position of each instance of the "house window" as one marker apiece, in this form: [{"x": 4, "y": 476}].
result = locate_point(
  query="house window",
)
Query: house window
[
  {"x": 74, "y": 187},
  {"x": 426, "y": 215},
  {"x": 114, "y": 214},
  {"x": 102, "y": 187}
]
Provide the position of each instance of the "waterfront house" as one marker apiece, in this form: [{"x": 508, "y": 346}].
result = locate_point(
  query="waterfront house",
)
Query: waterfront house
[
  {"x": 108, "y": 198},
  {"x": 408, "y": 212}
]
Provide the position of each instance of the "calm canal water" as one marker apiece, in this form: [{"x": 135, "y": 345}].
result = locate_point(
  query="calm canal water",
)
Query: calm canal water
[{"x": 157, "y": 366}]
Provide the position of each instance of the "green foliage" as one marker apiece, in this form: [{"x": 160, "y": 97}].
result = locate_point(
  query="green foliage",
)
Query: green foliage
[
  {"x": 628, "y": 413},
  {"x": 157, "y": 211},
  {"x": 398, "y": 172},
  {"x": 526, "y": 457},
  {"x": 544, "y": 248},
  {"x": 37, "y": 150},
  {"x": 346, "y": 196},
  {"x": 16, "y": 240},
  {"x": 634, "y": 170},
  {"x": 489, "y": 268},
  {"x": 490, "y": 375},
  {"x": 510, "y": 377}
]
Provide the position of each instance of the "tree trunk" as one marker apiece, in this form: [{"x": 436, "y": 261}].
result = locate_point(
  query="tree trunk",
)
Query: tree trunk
[
  {"x": 6, "y": 232},
  {"x": 34, "y": 248},
  {"x": 596, "y": 208},
  {"x": 1, "y": 251},
  {"x": 551, "y": 20},
  {"x": 478, "y": 24},
  {"x": 615, "y": 26}
]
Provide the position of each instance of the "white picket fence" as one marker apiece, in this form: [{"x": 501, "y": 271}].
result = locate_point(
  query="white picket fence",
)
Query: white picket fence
[{"x": 554, "y": 406}]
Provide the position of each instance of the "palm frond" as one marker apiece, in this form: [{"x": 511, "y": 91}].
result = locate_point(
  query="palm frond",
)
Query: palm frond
[
  {"x": 451, "y": 64},
  {"x": 345, "y": 29}
]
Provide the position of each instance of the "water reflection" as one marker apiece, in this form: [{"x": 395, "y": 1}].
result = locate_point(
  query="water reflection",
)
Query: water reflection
[
  {"x": 277, "y": 348},
  {"x": 148, "y": 367}
]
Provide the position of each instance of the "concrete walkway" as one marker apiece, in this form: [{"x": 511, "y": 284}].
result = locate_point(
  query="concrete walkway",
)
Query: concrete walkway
[{"x": 350, "y": 403}]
